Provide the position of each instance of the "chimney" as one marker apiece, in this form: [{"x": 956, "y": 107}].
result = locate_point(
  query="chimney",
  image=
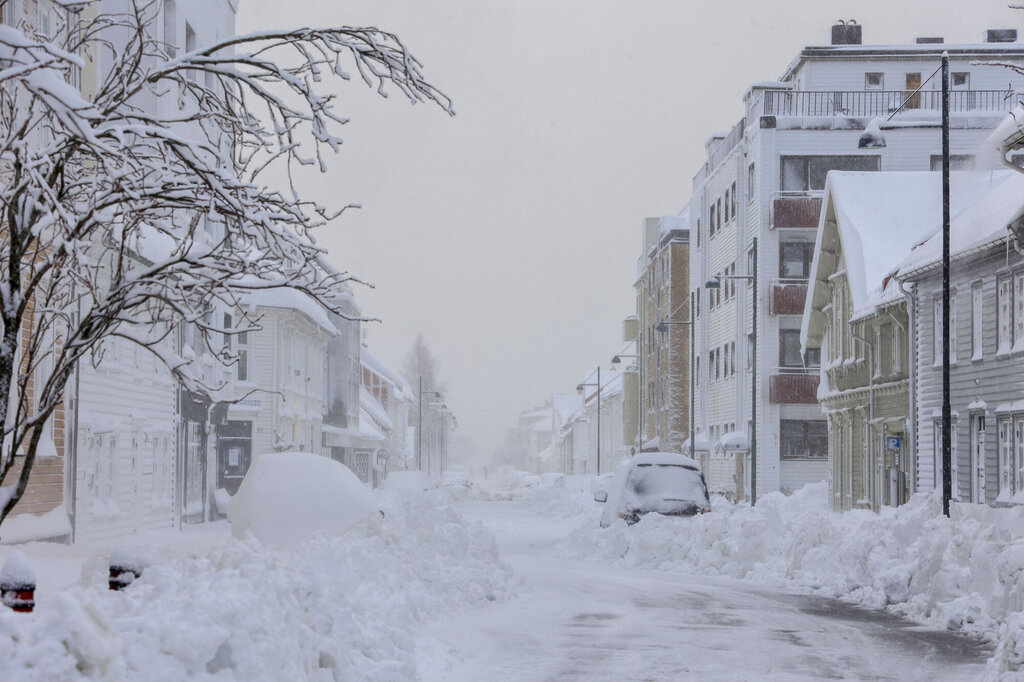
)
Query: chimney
[
  {"x": 1001, "y": 35},
  {"x": 846, "y": 33}
]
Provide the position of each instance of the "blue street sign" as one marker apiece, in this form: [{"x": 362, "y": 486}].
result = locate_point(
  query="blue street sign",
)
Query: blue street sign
[{"x": 892, "y": 443}]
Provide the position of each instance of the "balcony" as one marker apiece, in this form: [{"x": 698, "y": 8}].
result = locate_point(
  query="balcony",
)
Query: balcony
[
  {"x": 795, "y": 211},
  {"x": 871, "y": 103},
  {"x": 788, "y": 296},
  {"x": 793, "y": 387}
]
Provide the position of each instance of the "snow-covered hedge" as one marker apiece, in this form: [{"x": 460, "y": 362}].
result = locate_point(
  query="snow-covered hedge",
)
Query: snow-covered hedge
[
  {"x": 963, "y": 573},
  {"x": 337, "y": 608}
]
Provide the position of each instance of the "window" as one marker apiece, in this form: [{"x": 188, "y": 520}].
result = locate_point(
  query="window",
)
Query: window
[
  {"x": 696, "y": 303},
  {"x": 733, "y": 195},
  {"x": 718, "y": 214},
  {"x": 751, "y": 182},
  {"x": 789, "y": 350},
  {"x": 191, "y": 43},
  {"x": 725, "y": 361},
  {"x": 698, "y": 233},
  {"x": 960, "y": 80},
  {"x": 750, "y": 351},
  {"x": 7, "y": 13},
  {"x": 1011, "y": 456},
  {"x": 795, "y": 259},
  {"x": 1004, "y": 295},
  {"x": 977, "y": 342},
  {"x": 732, "y": 355},
  {"x": 696, "y": 371},
  {"x": 807, "y": 173},
  {"x": 243, "y": 356},
  {"x": 877, "y": 354},
  {"x": 874, "y": 81},
  {"x": 937, "y": 335},
  {"x": 897, "y": 349},
  {"x": 1018, "y": 311},
  {"x": 953, "y": 457},
  {"x": 726, "y": 207},
  {"x": 711, "y": 221},
  {"x": 803, "y": 439},
  {"x": 170, "y": 28},
  {"x": 957, "y": 162},
  {"x": 45, "y": 23}
]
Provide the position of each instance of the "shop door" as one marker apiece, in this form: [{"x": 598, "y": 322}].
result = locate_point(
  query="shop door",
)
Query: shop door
[{"x": 234, "y": 454}]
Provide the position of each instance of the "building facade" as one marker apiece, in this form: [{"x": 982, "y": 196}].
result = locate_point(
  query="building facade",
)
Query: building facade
[
  {"x": 754, "y": 213},
  {"x": 663, "y": 315},
  {"x": 986, "y": 349},
  {"x": 856, "y": 325}
]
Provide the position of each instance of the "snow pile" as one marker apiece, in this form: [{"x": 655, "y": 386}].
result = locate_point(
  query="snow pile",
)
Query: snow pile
[
  {"x": 964, "y": 573},
  {"x": 337, "y": 608},
  {"x": 287, "y": 497}
]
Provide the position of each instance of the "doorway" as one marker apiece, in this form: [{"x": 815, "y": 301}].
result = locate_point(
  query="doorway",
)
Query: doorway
[{"x": 234, "y": 454}]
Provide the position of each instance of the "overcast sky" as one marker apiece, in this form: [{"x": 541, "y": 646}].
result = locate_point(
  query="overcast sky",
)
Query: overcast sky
[{"x": 508, "y": 235}]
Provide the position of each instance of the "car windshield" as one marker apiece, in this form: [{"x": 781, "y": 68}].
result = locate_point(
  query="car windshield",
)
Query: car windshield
[{"x": 652, "y": 486}]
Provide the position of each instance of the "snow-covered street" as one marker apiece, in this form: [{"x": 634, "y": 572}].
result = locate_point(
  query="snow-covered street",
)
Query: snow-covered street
[{"x": 574, "y": 619}]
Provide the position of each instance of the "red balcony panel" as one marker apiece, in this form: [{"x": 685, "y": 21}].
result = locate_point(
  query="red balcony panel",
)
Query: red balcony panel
[
  {"x": 797, "y": 211},
  {"x": 800, "y": 389},
  {"x": 788, "y": 299}
]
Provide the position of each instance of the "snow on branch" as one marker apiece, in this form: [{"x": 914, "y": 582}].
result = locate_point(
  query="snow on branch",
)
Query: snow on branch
[{"x": 136, "y": 215}]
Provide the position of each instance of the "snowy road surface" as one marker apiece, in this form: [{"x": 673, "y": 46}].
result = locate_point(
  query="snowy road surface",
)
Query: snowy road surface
[{"x": 572, "y": 620}]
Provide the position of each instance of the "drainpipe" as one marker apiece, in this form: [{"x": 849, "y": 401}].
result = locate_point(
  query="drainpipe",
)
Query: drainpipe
[{"x": 911, "y": 474}]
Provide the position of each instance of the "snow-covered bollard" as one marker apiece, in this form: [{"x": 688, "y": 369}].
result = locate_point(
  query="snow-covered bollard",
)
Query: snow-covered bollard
[
  {"x": 18, "y": 583},
  {"x": 125, "y": 567}
]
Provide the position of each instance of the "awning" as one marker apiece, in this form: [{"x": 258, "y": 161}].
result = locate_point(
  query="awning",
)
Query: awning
[{"x": 733, "y": 441}]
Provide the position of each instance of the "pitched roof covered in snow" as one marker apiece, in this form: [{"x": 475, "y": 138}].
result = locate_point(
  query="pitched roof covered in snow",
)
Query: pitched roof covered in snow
[
  {"x": 869, "y": 222},
  {"x": 981, "y": 224}
]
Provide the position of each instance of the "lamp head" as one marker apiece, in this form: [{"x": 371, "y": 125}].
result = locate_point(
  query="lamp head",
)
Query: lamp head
[
  {"x": 616, "y": 360},
  {"x": 661, "y": 327},
  {"x": 579, "y": 388},
  {"x": 713, "y": 283}
]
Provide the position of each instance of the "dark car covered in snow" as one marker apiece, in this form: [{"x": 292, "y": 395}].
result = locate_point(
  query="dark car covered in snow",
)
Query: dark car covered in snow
[{"x": 662, "y": 482}]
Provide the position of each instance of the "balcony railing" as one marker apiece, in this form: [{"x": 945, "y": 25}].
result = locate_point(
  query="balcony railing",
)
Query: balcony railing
[
  {"x": 795, "y": 211},
  {"x": 791, "y": 386},
  {"x": 788, "y": 297},
  {"x": 870, "y": 103}
]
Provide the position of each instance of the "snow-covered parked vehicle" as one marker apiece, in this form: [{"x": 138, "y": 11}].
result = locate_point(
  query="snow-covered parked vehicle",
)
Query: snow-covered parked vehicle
[{"x": 662, "y": 482}]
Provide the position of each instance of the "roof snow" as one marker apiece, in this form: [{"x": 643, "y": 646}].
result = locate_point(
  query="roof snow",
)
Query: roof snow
[
  {"x": 369, "y": 405},
  {"x": 877, "y": 218},
  {"x": 981, "y": 223},
  {"x": 370, "y": 359},
  {"x": 291, "y": 299}
]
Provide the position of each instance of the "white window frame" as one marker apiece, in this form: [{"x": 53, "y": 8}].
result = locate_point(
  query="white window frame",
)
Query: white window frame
[{"x": 977, "y": 322}]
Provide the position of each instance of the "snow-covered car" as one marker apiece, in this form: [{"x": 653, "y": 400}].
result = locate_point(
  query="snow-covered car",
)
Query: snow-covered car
[
  {"x": 662, "y": 482},
  {"x": 456, "y": 476}
]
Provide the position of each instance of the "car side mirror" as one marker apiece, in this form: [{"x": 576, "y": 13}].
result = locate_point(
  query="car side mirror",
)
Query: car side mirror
[{"x": 601, "y": 496}]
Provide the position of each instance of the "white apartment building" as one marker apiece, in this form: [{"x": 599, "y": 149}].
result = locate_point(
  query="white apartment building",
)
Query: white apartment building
[{"x": 754, "y": 211}]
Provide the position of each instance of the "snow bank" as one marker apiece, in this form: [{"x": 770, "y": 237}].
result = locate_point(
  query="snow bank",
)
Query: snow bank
[
  {"x": 964, "y": 573},
  {"x": 287, "y": 497},
  {"x": 337, "y": 608}
]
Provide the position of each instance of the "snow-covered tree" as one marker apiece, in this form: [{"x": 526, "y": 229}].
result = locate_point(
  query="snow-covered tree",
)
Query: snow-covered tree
[
  {"x": 122, "y": 222},
  {"x": 420, "y": 362}
]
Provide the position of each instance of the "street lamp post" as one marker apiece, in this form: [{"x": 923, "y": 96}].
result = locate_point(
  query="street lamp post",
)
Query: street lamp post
[
  {"x": 874, "y": 138},
  {"x": 715, "y": 283},
  {"x": 419, "y": 425},
  {"x": 579, "y": 389}
]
